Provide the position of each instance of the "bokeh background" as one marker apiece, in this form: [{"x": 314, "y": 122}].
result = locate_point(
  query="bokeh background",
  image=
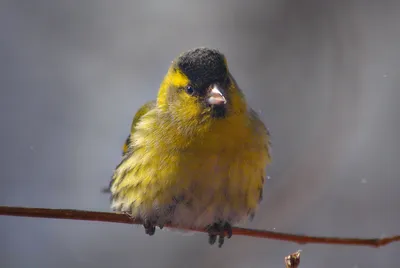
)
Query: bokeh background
[{"x": 323, "y": 74}]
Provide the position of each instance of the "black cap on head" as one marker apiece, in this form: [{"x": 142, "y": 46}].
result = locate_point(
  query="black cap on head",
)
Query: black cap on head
[{"x": 203, "y": 66}]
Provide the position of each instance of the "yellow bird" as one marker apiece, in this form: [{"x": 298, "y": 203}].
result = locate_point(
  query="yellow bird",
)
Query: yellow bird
[{"x": 197, "y": 156}]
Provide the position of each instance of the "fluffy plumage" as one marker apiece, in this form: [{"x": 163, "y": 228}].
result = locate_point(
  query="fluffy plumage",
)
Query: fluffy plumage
[{"x": 187, "y": 163}]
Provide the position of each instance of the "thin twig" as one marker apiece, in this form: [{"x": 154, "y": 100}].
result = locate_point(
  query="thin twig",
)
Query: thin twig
[{"x": 124, "y": 218}]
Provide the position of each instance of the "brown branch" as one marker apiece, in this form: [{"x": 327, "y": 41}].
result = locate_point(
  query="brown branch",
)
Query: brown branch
[{"x": 124, "y": 218}]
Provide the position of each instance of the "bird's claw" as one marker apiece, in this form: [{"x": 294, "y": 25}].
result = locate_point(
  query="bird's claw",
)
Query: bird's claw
[
  {"x": 220, "y": 230},
  {"x": 149, "y": 227}
]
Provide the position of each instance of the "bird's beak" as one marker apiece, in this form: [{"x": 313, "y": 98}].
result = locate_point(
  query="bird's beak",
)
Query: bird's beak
[{"x": 215, "y": 96}]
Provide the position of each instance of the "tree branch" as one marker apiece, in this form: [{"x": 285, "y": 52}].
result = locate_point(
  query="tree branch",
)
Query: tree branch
[{"x": 124, "y": 218}]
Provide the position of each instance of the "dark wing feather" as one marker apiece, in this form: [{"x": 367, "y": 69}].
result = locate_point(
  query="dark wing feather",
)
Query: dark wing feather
[
  {"x": 142, "y": 111},
  {"x": 126, "y": 147}
]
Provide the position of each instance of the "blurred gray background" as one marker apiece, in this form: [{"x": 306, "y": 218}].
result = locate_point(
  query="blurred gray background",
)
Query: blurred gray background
[{"x": 323, "y": 74}]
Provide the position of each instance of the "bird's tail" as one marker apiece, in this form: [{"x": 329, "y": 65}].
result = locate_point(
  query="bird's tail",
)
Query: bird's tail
[{"x": 106, "y": 190}]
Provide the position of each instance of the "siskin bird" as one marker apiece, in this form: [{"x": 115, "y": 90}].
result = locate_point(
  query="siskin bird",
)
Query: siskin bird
[{"x": 197, "y": 156}]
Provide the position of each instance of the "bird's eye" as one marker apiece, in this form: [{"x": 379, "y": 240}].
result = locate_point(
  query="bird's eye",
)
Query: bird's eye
[{"x": 190, "y": 90}]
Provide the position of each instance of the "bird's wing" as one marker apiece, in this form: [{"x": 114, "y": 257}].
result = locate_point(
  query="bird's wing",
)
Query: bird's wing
[
  {"x": 136, "y": 119},
  {"x": 142, "y": 111}
]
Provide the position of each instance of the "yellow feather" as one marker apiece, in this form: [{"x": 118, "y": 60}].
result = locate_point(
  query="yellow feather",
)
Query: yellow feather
[{"x": 174, "y": 78}]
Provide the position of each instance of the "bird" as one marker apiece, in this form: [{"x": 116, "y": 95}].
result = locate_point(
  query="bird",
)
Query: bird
[{"x": 196, "y": 156}]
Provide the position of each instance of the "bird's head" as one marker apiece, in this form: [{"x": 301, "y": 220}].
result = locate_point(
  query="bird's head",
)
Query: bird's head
[{"x": 199, "y": 88}]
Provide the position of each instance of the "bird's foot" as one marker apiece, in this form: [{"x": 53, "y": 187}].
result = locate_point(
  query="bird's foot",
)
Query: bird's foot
[
  {"x": 220, "y": 230},
  {"x": 149, "y": 227}
]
